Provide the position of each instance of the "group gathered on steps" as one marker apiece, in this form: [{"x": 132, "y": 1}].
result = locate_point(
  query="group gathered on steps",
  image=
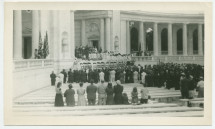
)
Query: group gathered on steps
[
  {"x": 188, "y": 78},
  {"x": 107, "y": 95}
]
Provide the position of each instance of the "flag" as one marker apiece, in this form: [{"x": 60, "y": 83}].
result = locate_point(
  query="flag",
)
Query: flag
[
  {"x": 40, "y": 47},
  {"x": 40, "y": 42},
  {"x": 46, "y": 46}
]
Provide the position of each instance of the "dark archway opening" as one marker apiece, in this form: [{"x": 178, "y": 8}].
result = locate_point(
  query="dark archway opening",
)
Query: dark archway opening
[
  {"x": 164, "y": 41},
  {"x": 179, "y": 42},
  {"x": 195, "y": 41},
  {"x": 27, "y": 47},
  {"x": 134, "y": 39}
]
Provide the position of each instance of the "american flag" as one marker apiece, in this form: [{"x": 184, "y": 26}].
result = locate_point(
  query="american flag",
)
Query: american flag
[{"x": 46, "y": 46}]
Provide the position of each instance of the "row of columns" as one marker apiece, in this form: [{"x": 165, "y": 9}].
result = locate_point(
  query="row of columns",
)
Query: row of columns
[
  {"x": 105, "y": 35},
  {"x": 40, "y": 23},
  {"x": 142, "y": 38}
]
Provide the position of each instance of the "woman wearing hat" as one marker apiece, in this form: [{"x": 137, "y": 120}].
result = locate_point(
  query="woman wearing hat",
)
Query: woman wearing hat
[
  {"x": 69, "y": 94},
  {"x": 58, "y": 96}
]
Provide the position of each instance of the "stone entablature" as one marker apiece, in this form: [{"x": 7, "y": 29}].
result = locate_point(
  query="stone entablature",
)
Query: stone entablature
[
  {"x": 86, "y": 14},
  {"x": 162, "y": 17}
]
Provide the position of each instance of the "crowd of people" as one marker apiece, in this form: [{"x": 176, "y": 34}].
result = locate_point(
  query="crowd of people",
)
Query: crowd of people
[
  {"x": 91, "y": 53},
  {"x": 184, "y": 77},
  {"x": 107, "y": 95}
]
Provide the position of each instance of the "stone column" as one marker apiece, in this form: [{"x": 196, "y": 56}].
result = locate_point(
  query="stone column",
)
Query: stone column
[
  {"x": 142, "y": 35},
  {"x": 17, "y": 34},
  {"x": 200, "y": 42},
  {"x": 43, "y": 23},
  {"x": 169, "y": 39},
  {"x": 102, "y": 34},
  {"x": 35, "y": 31},
  {"x": 128, "y": 45},
  {"x": 72, "y": 34},
  {"x": 155, "y": 39},
  {"x": 185, "y": 39},
  {"x": 83, "y": 34},
  {"x": 107, "y": 34}
]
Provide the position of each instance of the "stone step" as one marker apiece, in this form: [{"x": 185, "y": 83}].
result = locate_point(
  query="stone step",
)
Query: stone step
[
  {"x": 168, "y": 114},
  {"x": 184, "y": 102},
  {"x": 197, "y": 103},
  {"x": 86, "y": 108},
  {"x": 108, "y": 112},
  {"x": 76, "y": 96}
]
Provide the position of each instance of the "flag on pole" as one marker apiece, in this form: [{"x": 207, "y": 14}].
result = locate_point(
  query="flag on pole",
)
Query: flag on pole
[
  {"x": 40, "y": 51},
  {"x": 46, "y": 46}
]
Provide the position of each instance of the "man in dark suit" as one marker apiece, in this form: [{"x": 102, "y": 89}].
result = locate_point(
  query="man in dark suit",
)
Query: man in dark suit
[
  {"x": 184, "y": 86},
  {"x": 65, "y": 75},
  {"x": 69, "y": 76},
  {"x": 91, "y": 93},
  {"x": 53, "y": 78},
  {"x": 118, "y": 89}
]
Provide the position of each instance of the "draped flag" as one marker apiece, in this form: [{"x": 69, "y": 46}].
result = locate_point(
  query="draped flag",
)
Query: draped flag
[
  {"x": 46, "y": 46},
  {"x": 40, "y": 49}
]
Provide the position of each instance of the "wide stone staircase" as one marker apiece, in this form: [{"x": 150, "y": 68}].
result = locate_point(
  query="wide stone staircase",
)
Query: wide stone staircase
[{"x": 163, "y": 102}]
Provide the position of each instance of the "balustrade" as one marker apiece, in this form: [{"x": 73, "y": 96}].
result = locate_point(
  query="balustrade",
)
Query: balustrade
[
  {"x": 167, "y": 58},
  {"x": 32, "y": 63}
]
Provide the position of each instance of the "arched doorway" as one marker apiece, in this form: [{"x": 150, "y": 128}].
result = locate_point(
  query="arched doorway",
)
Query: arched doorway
[
  {"x": 164, "y": 41},
  {"x": 149, "y": 39},
  {"x": 195, "y": 41},
  {"x": 179, "y": 42},
  {"x": 134, "y": 39}
]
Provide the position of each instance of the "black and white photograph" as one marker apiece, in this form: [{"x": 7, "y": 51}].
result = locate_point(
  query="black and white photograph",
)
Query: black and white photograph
[{"x": 114, "y": 63}]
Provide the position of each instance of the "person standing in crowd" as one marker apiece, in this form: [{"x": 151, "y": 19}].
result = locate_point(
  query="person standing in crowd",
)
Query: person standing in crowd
[
  {"x": 35, "y": 54},
  {"x": 69, "y": 76},
  {"x": 69, "y": 95},
  {"x": 122, "y": 77},
  {"x": 200, "y": 86},
  {"x": 101, "y": 76},
  {"x": 143, "y": 75},
  {"x": 109, "y": 91},
  {"x": 65, "y": 75},
  {"x": 81, "y": 95},
  {"x": 91, "y": 93},
  {"x": 184, "y": 87},
  {"x": 135, "y": 76},
  {"x": 125, "y": 99},
  {"x": 53, "y": 78},
  {"x": 144, "y": 95},
  {"x": 118, "y": 89},
  {"x": 191, "y": 87},
  {"x": 102, "y": 93},
  {"x": 134, "y": 96},
  {"x": 58, "y": 96},
  {"x": 139, "y": 71},
  {"x": 112, "y": 75},
  {"x": 61, "y": 77}
]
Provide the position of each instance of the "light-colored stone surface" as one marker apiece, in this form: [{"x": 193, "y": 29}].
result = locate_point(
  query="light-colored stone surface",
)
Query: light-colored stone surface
[{"x": 41, "y": 103}]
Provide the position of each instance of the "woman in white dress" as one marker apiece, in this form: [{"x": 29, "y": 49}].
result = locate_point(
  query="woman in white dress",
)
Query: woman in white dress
[
  {"x": 135, "y": 76},
  {"x": 81, "y": 96}
]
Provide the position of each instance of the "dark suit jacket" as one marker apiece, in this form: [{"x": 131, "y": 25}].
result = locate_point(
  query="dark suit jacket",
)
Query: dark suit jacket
[{"x": 91, "y": 92}]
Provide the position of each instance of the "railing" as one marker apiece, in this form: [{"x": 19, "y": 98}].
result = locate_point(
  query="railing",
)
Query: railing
[
  {"x": 32, "y": 63},
  {"x": 163, "y": 52},
  {"x": 179, "y": 52},
  {"x": 195, "y": 52},
  {"x": 167, "y": 58}
]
